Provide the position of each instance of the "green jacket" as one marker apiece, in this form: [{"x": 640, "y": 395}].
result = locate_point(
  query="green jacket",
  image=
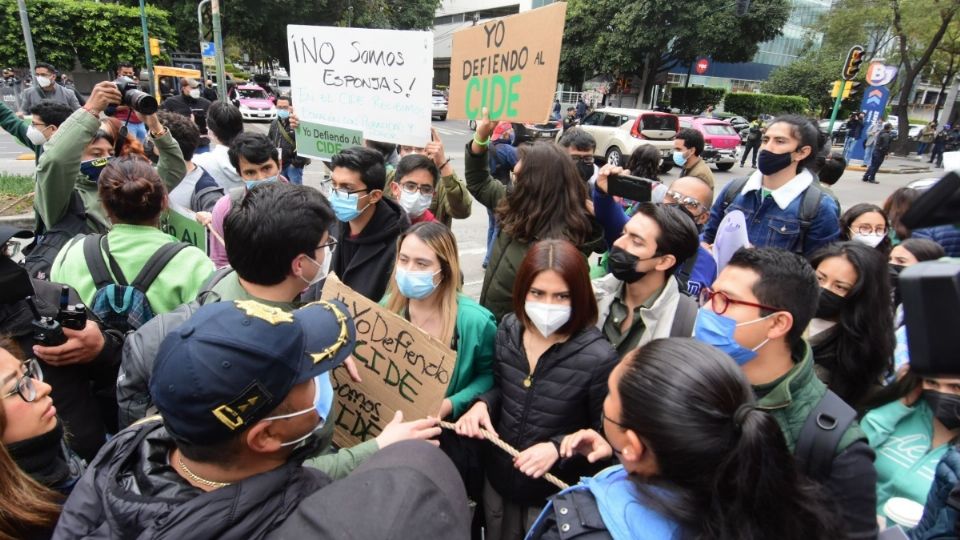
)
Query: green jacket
[
  {"x": 132, "y": 246},
  {"x": 473, "y": 372},
  {"x": 452, "y": 199},
  {"x": 791, "y": 398},
  {"x": 18, "y": 128},
  {"x": 58, "y": 171},
  {"x": 497, "y": 291}
]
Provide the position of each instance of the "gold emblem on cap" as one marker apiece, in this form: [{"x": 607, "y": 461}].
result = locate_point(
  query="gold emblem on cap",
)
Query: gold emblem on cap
[
  {"x": 270, "y": 314},
  {"x": 331, "y": 351}
]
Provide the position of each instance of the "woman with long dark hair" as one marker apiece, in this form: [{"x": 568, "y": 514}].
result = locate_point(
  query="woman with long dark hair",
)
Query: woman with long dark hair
[
  {"x": 550, "y": 372},
  {"x": 697, "y": 459},
  {"x": 895, "y": 207},
  {"x": 36, "y": 468},
  {"x": 852, "y": 335},
  {"x": 547, "y": 199},
  {"x": 867, "y": 224}
]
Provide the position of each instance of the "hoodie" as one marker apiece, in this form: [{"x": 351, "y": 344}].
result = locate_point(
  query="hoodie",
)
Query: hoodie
[
  {"x": 365, "y": 262},
  {"x": 132, "y": 491}
]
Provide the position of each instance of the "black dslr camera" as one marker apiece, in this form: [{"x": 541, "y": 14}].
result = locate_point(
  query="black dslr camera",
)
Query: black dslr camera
[{"x": 135, "y": 98}]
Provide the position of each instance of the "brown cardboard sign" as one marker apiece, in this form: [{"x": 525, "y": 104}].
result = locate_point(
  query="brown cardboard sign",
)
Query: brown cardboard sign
[
  {"x": 508, "y": 65},
  {"x": 403, "y": 368}
]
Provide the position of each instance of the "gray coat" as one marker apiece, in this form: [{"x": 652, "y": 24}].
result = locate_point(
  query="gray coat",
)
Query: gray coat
[{"x": 32, "y": 96}]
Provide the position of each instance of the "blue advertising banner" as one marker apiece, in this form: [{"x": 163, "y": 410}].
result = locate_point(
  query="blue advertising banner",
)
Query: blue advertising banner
[{"x": 874, "y": 103}]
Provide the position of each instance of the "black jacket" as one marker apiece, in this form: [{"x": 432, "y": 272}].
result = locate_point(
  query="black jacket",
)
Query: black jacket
[
  {"x": 566, "y": 394},
  {"x": 132, "y": 491},
  {"x": 365, "y": 263},
  {"x": 82, "y": 393}
]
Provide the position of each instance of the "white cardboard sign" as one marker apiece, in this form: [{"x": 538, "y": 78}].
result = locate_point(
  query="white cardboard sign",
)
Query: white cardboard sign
[{"x": 374, "y": 81}]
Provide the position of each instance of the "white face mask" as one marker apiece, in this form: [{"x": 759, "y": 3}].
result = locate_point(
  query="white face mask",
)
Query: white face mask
[
  {"x": 872, "y": 240},
  {"x": 415, "y": 203},
  {"x": 195, "y": 93},
  {"x": 44, "y": 81},
  {"x": 313, "y": 408},
  {"x": 323, "y": 268},
  {"x": 36, "y": 136},
  {"x": 548, "y": 318}
]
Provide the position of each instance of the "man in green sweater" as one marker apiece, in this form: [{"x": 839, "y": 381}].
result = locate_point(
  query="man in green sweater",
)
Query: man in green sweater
[
  {"x": 278, "y": 244},
  {"x": 756, "y": 312}
]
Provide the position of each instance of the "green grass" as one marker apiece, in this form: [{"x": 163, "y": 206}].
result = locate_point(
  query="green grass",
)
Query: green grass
[{"x": 15, "y": 184}]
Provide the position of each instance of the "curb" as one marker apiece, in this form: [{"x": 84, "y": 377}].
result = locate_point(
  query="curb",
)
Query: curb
[
  {"x": 25, "y": 220},
  {"x": 904, "y": 170}
]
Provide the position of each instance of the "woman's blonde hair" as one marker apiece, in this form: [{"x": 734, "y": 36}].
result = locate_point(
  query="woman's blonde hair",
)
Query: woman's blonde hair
[{"x": 441, "y": 240}]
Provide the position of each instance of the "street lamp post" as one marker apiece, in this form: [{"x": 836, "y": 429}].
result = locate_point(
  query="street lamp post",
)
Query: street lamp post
[
  {"x": 218, "y": 43},
  {"x": 203, "y": 68},
  {"x": 146, "y": 46}
]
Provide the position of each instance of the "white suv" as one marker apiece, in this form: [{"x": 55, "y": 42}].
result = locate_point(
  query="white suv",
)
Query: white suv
[{"x": 620, "y": 131}]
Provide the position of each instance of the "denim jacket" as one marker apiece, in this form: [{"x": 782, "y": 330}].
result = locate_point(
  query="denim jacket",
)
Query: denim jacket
[{"x": 770, "y": 225}]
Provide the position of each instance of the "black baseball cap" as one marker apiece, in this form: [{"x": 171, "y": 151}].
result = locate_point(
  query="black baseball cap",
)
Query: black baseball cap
[{"x": 232, "y": 363}]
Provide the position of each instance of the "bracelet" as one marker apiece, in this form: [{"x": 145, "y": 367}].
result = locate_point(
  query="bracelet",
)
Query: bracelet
[
  {"x": 93, "y": 114},
  {"x": 444, "y": 164},
  {"x": 161, "y": 133},
  {"x": 480, "y": 143}
]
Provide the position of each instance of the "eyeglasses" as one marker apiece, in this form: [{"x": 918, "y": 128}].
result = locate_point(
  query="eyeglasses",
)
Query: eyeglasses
[
  {"x": 344, "y": 192},
  {"x": 720, "y": 302},
  {"x": 413, "y": 187},
  {"x": 687, "y": 202},
  {"x": 587, "y": 160},
  {"x": 866, "y": 228},
  {"x": 25, "y": 385},
  {"x": 604, "y": 417},
  {"x": 332, "y": 243}
]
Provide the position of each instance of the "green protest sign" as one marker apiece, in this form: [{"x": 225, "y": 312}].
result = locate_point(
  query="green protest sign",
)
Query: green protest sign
[
  {"x": 322, "y": 142},
  {"x": 184, "y": 228}
]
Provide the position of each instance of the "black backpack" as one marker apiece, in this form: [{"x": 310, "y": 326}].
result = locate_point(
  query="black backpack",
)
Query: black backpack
[
  {"x": 118, "y": 304},
  {"x": 809, "y": 205},
  {"x": 41, "y": 253},
  {"x": 820, "y": 435}
]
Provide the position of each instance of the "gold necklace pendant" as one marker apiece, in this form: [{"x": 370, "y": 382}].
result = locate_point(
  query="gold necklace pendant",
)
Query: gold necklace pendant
[
  {"x": 528, "y": 382},
  {"x": 198, "y": 479}
]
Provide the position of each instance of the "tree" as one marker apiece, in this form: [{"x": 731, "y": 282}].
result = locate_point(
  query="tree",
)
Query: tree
[
  {"x": 919, "y": 26},
  {"x": 65, "y": 31},
  {"x": 810, "y": 76},
  {"x": 259, "y": 27},
  {"x": 647, "y": 37}
]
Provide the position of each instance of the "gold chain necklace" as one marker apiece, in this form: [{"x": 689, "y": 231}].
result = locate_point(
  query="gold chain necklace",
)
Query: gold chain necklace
[{"x": 193, "y": 476}]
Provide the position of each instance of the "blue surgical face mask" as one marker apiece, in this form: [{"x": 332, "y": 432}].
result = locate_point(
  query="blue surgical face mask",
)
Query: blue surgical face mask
[
  {"x": 283, "y": 114},
  {"x": 269, "y": 179},
  {"x": 93, "y": 167},
  {"x": 416, "y": 285},
  {"x": 345, "y": 206},
  {"x": 679, "y": 159},
  {"x": 718, "y": 330}
]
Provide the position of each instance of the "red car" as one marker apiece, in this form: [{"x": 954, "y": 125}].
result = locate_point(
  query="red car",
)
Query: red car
[{"x": 720, "y": 138}]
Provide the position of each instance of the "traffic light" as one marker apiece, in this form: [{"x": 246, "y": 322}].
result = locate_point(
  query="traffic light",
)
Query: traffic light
[
  {"x": 852, "y": 66},
  {"x": 854, "y": 91},
  {"x": 835, "y": 89},
  {"x": 154, "y": 46}
]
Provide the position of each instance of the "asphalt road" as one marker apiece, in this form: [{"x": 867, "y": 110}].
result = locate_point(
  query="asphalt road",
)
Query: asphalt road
[{"x": 471, "y": 232}]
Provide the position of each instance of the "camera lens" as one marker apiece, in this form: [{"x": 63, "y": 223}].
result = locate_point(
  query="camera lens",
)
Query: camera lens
[{"x": 141, "y": 102}]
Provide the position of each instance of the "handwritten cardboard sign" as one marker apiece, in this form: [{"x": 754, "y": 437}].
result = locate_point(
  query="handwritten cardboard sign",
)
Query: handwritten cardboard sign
[
  {"x": 322, "y": 142},
  {"x": 508, "y": 65},
  {"x": 402, "y": 367},
  {"x": 184, "y": 228},
  {"x": 375, "y": 81}
]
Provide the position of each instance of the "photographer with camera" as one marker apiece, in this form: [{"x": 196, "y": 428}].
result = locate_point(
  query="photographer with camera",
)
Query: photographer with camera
[
  {"x": 66, "y": 199},
  {"x": 79, "y": 358}
]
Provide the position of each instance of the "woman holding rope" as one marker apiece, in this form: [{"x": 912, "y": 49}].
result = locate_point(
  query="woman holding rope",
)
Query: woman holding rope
[
  {"x": 697, "y": 459},
  {"x": 550, "y": 373},
  {"x": 426, "y": 290}
]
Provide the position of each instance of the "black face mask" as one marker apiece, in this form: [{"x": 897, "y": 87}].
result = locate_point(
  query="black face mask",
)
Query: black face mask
[
  {"x": 830, "y": 304},
  {"x": 770, "y": 163},
  {"x": 623, "y": 265},
  {"x": 585, "y": 170},
  {"x": 894, "y": 270},
  {"x": 946, "y": 407}
]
